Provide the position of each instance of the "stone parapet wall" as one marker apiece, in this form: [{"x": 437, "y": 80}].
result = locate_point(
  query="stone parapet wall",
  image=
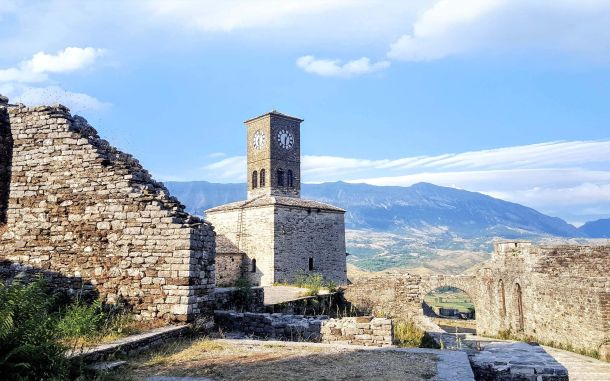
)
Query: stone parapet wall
[
  {"x": 88, "y": 216},
  {"x": 365, "y": 330}
]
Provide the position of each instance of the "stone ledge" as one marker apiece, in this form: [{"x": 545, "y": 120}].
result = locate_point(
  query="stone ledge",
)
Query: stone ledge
[{"x": 130, "y": 344}]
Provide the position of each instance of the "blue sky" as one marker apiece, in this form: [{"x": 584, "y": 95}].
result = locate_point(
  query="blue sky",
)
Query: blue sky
[{"x": 509, "y": 98}]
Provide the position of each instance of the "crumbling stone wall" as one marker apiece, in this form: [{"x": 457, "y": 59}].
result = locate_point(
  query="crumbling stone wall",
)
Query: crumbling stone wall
[
  {"x": 90, "y": 217},
  {"x": 557, "y": 295},
  {"x": 362, "y": 330}
]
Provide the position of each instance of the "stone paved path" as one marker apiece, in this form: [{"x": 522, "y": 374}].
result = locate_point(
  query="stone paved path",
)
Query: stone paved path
[
  {"x": 581, "y": 368},
  {"x": 578, "y": 367},
  {"x": 281, "y": 294}
]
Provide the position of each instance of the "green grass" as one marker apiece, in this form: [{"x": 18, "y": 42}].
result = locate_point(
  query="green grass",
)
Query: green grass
[{"x": 458, "y": 300}]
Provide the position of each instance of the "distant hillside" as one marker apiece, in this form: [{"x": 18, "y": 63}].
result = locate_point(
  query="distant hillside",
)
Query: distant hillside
[
  {"x": 596, "y": 229},
  {"x": 424, "y": 226},
  {"x": 398, "y": 209}
]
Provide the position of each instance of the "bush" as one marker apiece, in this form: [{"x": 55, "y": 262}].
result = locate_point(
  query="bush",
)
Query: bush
[
  {"x": 243, "y": 293},
  {"x": 408, "y": 334},
  {"x": 312, "y": 282},
  {"x": 81, "y": 320},
  {"x": 29, "y": 345}
]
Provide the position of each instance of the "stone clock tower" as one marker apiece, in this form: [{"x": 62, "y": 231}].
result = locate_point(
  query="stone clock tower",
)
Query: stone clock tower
[
  {"x": 274, "y": 155},
  {"x": 275, "y": 236}
]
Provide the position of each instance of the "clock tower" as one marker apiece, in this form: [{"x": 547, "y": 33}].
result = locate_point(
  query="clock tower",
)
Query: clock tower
[{"x": 274, "y": 155}]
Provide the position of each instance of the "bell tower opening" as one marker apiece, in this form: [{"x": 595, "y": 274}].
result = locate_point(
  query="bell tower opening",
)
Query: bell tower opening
[{"x": 274, "y": 143}]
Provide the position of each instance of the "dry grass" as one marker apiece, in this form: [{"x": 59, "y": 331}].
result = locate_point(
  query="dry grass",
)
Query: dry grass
[{"x": 272, "y": 361}]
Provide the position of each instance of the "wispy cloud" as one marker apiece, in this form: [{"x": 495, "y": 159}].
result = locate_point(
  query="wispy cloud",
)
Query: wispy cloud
[
  {"x": 230, "y": 15},
  {"x": 335, "y": 68},
  {"x": 557, "y": 177},
  {"x": 16, "y": 82},
  {"x": 454, "y": 27}
]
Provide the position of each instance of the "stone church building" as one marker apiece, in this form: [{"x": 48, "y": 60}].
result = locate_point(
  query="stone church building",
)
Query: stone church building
[{"x": 275, "y": 235}]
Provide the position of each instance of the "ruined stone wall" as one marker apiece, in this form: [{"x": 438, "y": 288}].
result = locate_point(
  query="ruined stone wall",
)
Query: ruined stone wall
[
  {"x": 564, "y": 292},
  {"x": 90, "y": 217},
  {"x": 229, "y": 268},
  {"x": 256, "y": 240},
  {"x": 557, "y": 295},
  {"x": 302, "y": 234},
  {"x": 362, "y": 330},
  {"x": 388, "y": 294}
]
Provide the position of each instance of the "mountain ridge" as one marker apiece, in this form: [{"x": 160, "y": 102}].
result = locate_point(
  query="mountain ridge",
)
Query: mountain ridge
[{"x": 395, "y": 209}]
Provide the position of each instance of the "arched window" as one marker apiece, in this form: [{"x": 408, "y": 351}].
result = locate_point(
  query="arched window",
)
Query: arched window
[
  {"x": 502, "y": 298},
  {"x": 254, "y": 179},
  {"x": 253, "y": 269},
  {"x": 310, "y": 264},
  {"x": 289, "y": 179},
  {"x": 262, "y": 183},
  {"x": 280, "y": 177}
]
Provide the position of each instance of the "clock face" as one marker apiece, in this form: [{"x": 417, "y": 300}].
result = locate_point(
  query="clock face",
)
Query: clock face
[
  {"x": 285, "y": 139},
  {"x": 258, "y": 140}
]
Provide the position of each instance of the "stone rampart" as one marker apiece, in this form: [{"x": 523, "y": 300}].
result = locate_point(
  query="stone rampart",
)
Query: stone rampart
[
  {"x": 558, "y": 295},
  {"x": 89, "y": 217},
  {"x": 363, "y": 330}
]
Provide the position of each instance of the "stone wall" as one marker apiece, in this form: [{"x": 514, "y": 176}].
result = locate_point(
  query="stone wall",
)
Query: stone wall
[
  {"x": 281, "y": 235},
  {"x": 235, "y": 299},
  {"x": 558, "y": 295},
  {"x": 256, "y": 239},
  {"x": 230, "y": 268},
  {"x": 386, "y": 294},
  {"x": 90, "y": 217},
  {"x": 364, "y": 330},
  {"x": 309, "y": 234}
]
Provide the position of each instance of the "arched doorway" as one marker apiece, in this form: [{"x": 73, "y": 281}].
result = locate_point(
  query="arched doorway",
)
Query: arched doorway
[
  {"x": 519, "y": 307},
  {"x": 450, "y": 308}
]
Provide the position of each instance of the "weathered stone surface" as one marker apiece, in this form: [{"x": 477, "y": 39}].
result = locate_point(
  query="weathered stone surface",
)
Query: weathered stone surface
[{"x": 90, "y": 217}]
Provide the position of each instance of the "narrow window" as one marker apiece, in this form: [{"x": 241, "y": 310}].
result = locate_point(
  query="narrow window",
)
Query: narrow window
[
  {"x": 520, "y": 323},
  {"x": 290, "y": 179},
  {"x": 262, "y": 177},
  {"x": 254, "y": 179},
  {"x": 280, "y": 177},
  {"x": 253, "y": 269},
  {"x": 502, "y": 299},
  {"x": 310, "y": 264}
]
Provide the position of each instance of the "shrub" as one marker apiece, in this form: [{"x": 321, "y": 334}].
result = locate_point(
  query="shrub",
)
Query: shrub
[
  {"x": 81, "y": 320},
  {"x": 29, "y": 346},
  {"x": 243, "y": 293},
  {"x": 312, "y": 282},
  {"x": 408, "y": 334}
]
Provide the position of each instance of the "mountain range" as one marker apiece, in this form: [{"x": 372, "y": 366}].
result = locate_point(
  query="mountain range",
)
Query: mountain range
[{"x": 416, "y": 226}]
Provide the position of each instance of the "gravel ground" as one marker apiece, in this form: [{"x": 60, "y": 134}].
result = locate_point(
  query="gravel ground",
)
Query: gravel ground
[{"x": 235, "y": 360}]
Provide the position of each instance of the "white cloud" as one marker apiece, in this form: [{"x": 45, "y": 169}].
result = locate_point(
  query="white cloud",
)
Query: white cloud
[
  {"x": 15, "y": 81},
  {"x": 454, "y": 27},
  {"x": 335, "y": 68},
  {"x": 36, "y": 68}
]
